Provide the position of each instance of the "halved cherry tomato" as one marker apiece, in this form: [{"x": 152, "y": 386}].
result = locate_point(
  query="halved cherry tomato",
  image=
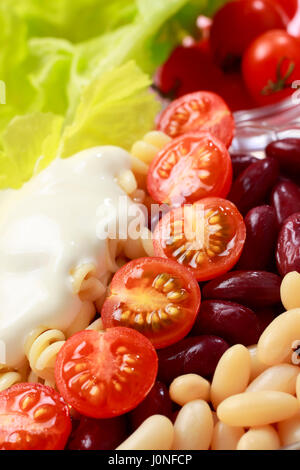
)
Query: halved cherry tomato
[
  {"x": 206, "y": 237},
  {"x": 200, "y": 111},
  {"x": 33, "y": 417},
  {"x": 189, "y": 168},
  {"x": 156, "y": 296},
  {"x": 270, "y": 66},
  {"x": 106, "y": 374}
]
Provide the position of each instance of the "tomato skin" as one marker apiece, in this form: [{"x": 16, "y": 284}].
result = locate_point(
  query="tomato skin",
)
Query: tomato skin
[
  {"x": 179, "y": 225},
  {"x": 238, "y": 23},
  {"x": 137, "y": 272},
  {"x": 28, "y": 429},
  {"x": 102, "y": 358},
  {"x": 234, "y": 92},
  {"x": 189, "y": 69},
  {"x": 192, "y": 68},
  {"x": 202, "y": 168},
  {"x": 199, "y": 111},
  {"x": 271, "y": 53},
  {"x": 289, "y": 6}
]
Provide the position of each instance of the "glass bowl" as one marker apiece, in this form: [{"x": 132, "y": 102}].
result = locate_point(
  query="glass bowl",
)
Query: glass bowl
[{"x": 256, "y": 128}]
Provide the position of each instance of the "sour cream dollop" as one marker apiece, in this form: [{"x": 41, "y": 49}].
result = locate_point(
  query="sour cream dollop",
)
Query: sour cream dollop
[{"x": 53, "y": 224}]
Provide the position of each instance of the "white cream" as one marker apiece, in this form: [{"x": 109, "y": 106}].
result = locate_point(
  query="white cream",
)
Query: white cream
[{"x": 47, "y": 228}]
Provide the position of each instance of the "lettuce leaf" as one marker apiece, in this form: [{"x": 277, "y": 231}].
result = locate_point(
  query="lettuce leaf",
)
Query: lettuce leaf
[
  {"x": 30, "y": 143},
  {"x": 61, "y": 61},
  {"x": 116, "y": 109}
]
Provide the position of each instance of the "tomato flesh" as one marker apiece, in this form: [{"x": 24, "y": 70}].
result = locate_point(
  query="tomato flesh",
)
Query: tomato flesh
[
  {"x": 33, "y": 417},
  {"x": 199, "y": 111},
  {"x": 206, "y": 237},
  {"x": 155, "y": 296},
  {"x": 190, "y": 167},
  {"x": 102, "y": 375}
]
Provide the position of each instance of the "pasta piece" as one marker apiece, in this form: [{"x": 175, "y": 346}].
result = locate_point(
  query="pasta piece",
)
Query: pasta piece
[
  {"x": 8, "y": 377},
  {"x": 91, "y": 290},
  {"x": 146, "y": 149},
  {"x": 41, "y": 349},
  {"x": 113, "y": 249},
  {"x": 33, "y": 378},
  {"x": 97, "y": 325},
  {"x": 79, "y": 274},
  {"x": 127, "y": 181},
  {"x": 141, "y": 247},
  {"x": 139, "y": 167},
  {"x": 83, "y": 319}
]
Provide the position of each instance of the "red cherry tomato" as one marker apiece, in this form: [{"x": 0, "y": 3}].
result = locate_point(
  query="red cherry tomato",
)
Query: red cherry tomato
[
  {"x": 188, "y": 69},
  {"x": 200, "y": 111},
  {"x": 102, "y": 375},
  {"x": 156, "y": 296},
  {"x": 192, "y": 68},
  {"x": 189, "y": 168},
  {"x": 234, "y": 92},
  {"x": 33, "y": 417},
  {"x": 238, "y": 23},
  {"x": 289, "y": 6},
  {"x": 271, "y": 65},
  {"x": 207, "y": 237}
]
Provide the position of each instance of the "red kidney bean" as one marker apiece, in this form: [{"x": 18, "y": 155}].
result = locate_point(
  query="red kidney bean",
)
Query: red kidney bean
[
  {"x": 240, "y": 162},
  {"x": 233, "y": 322},
  {"x": 262, "y": 230},
  {"x": 251, "y": 288},
  {"x": 253, "y": 186},
  {"x": 199, "y": 355},
  {"x": 288, "y": 245},
  {"x": 287, "y": 153},
  {"x": 98, "y": 434},
  {"x": 158, "y": 401},
  {"x": 265, "y": 317},
  {"x": 286, "y": 200}
]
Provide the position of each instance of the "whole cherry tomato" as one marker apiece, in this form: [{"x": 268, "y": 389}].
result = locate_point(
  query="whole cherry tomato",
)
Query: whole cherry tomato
[
  {"x": 271, "y": 66},
  {"x": 238, "y": 23}
]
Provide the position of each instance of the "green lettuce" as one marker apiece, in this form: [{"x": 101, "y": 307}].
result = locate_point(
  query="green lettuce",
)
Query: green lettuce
[
  {"x": 30, "y": 143},
  {"x": 116, "y": 109},
  {"x": 75, "y": 74}
]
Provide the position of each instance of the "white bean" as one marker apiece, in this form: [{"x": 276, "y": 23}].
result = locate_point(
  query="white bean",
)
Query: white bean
[
  {"x": 232, "y": 374},
  {"x": 259, "y": 438},
  {"x": 189, "y": 387},
  {"x": 276, "y": 342},
  {"x": 193, "y": 427},
  {"x": 226, "y": 437},
  {"x": 289, "y": 430},
  {"x": 257, "y": 367},
  {"x": 281, "y": 378},
  {"x": 257, "y": 408},
  {"x": 155, "y": 433},
  {"x": 290, "y": 290}
]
